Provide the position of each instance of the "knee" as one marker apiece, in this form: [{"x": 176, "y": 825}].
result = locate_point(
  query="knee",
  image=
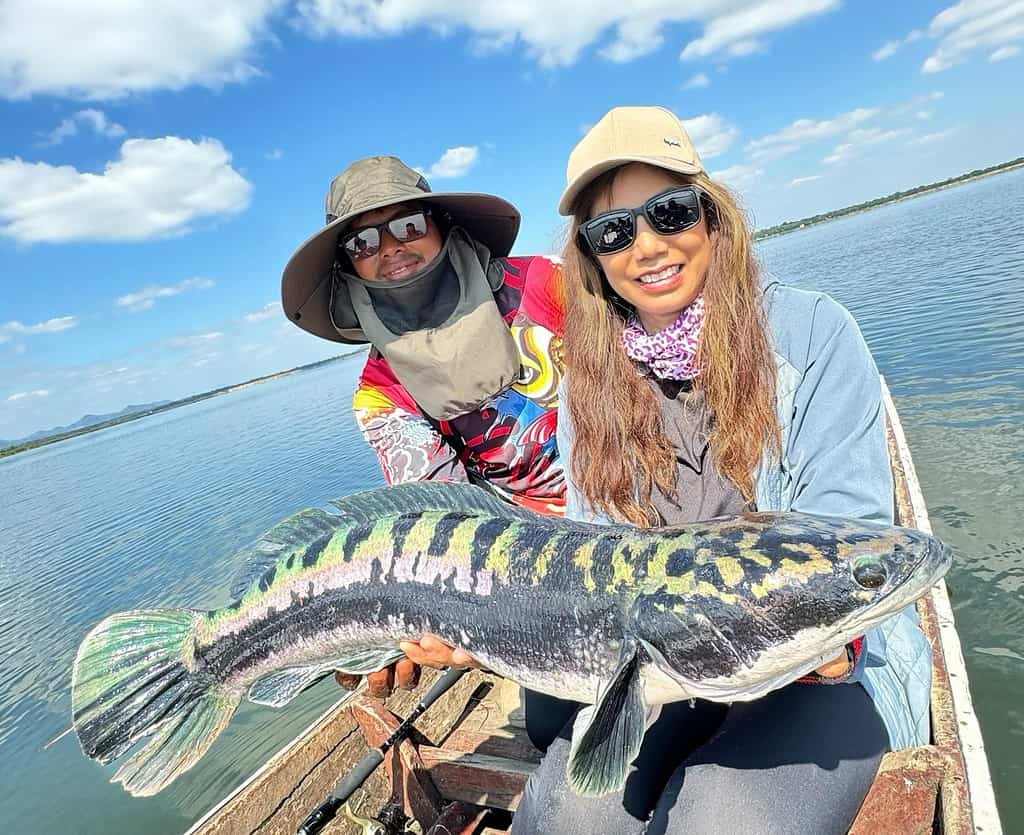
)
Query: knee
[{"x": 550, "y": 806}]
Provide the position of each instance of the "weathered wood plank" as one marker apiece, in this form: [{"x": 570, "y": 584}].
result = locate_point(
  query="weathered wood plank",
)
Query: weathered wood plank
[
  {"x": 901, "y": 800},
  {"x": 479, "y": 779}
]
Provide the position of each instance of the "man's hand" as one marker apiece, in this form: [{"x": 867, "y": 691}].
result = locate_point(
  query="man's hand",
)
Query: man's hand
[{"x": 429, "y": 651}]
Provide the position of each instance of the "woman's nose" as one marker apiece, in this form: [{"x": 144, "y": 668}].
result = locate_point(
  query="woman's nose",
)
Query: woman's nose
[{"x": 648, "y": 243}]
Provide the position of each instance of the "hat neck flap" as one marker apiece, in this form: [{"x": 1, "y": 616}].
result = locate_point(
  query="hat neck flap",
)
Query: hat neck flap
[{"x": 440, "y": 330}]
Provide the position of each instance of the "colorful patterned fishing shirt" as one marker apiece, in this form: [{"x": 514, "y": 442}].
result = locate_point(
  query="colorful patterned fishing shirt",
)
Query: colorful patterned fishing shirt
[{"x": 510, "y": 442}]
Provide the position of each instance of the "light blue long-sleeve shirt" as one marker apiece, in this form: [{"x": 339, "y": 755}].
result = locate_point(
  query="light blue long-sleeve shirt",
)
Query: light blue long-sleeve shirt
[{"x": 834, "y": 462}]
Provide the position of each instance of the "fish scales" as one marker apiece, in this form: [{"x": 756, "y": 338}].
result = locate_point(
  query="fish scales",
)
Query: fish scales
[{"x": 614, "y": 616}]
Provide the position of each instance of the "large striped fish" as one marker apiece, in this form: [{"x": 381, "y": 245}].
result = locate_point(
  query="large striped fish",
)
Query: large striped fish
[{"x": 620, "y": 618}]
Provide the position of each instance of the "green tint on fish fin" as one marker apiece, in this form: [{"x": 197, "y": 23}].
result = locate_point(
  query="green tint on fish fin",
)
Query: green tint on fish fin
[
  {"x": 280, "y": 687},
  {"x": 136, "y": 675},
  {"x": 294, "y": 534},
  {"x": 607, "y": 735},
  {"x": 425, "y": 496}
]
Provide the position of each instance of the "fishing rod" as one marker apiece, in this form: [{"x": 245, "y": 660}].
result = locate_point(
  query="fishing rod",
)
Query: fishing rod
[{"x": 346, "y": 787}]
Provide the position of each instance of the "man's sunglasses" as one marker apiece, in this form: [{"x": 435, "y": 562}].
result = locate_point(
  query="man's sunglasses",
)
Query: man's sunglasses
[
  {"x": 667, "y": 213},
  {"x": 365, "y": 242}
]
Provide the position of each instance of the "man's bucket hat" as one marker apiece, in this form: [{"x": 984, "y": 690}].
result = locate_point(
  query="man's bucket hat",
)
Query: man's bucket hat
[{"x": 373, "y": 183}]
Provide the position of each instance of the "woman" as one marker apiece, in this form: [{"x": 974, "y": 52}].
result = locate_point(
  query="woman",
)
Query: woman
[{"x": 694, "y": 390}]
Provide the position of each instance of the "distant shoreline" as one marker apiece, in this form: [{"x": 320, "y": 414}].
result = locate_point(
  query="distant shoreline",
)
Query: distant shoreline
[
  {"x": 174, "y": 404},
  {"x": 895, "y": 197}
]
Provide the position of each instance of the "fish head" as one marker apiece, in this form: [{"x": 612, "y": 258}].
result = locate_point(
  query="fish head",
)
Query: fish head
[{"x": 763, "y": 599}]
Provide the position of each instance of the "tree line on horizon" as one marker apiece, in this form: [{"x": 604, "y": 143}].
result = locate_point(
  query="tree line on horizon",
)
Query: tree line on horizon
[{"x": 790, "y": 225}]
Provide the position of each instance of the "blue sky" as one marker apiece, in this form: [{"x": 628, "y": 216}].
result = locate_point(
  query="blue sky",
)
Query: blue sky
[{"x": 159, "y": 161}]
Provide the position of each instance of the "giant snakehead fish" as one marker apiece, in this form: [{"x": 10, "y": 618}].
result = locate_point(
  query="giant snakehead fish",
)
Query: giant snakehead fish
[{"x": 620, "y": 618}]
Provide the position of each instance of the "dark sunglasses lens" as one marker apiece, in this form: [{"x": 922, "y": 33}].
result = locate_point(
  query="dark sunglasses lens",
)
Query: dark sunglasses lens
[
  {"x": 674, "y": 212},
  {"x": 610, "y": 233},
  {"x": 362, "y": 244},
  {"x": 408, "y": 227}
]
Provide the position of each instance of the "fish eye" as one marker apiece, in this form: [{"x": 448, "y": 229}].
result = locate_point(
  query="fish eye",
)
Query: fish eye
[{"x": 869, "y": 573}]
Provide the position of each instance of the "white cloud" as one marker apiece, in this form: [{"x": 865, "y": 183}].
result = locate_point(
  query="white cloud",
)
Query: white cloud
[
  {"x": 734, "y": 31},
  {"x": 738, "y": 176},
  {"x": 96, "y": 120},
  {"x": 712, "y": 134},
  {"x": 275, "y": 154},
  {"x": 145, "y": 298},
  {"x": 195, "y": 340},
  {"x": 857, "y": 140},
  {"x": 802, "y": 131},
  {"x": 104, "y": 49},
  {"x": 265, "y": 312},
  {"x": 21, "y": 395},
  {"x": 731, "y": 28},
  {"x": 697, "y": 81},
  {"x": 972, "y": 25},
  {"x": 156, "y": 188},
  {"x": 60, "y": 323},
  {"x": 890, "y": 48},
  {"x": 1004, "y": 52},
  {"x": 799, "y": 181},
  {"x": 930, "y": 138},
  {"x": 455, "y": 162},
  {"x": 886, "y": 50}
]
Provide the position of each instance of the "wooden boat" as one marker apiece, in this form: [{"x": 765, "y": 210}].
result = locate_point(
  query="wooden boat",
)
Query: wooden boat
[{"x": 464, "y": 771}]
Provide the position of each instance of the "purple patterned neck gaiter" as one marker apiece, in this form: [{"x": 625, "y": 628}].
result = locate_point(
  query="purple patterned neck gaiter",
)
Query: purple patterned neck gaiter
[{"x": 670, "y": 353}]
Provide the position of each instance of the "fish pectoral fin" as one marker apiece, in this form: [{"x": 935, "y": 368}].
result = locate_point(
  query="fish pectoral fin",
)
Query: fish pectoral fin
[
  {"x": 366, "y": 661},
  {"x": 280, "y": 687},
  {"x": 606, "y": 736}
]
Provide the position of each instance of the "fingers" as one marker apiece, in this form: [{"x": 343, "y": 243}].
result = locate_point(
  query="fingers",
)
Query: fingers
[
  {"x": 407, "y": 674},
  {"x": 381, "y": 683},
  {"x": 835, "y": 668},
  {"x": 347, "y": 680},
  {"x": 418, "y": 655},
  {"x": 429, "y": 651},
  {"x": 461, "y": 658}
]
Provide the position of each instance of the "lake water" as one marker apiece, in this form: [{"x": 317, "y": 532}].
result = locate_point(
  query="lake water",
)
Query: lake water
[{"x": 150, "y": 512}]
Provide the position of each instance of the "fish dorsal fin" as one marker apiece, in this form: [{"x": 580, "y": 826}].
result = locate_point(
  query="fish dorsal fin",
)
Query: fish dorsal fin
[
  {"x": 281, "y": 686},
  {"x": 606, "y": 736},
  {"x": 296, "y": 533},
  {"x": 426, "y": 496}
]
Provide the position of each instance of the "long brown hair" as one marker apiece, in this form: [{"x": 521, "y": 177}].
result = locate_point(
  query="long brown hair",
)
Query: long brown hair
[{"x": 620, "y": 451}]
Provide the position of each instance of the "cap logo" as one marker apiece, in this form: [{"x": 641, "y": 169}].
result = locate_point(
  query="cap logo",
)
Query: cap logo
[{"x": 671, "y": 140}]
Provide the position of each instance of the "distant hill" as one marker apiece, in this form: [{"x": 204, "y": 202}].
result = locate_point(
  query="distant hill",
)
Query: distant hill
[{"x": 83, "y": 422}]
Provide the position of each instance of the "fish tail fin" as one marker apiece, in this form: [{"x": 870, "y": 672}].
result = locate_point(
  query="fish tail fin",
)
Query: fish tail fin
[{"x": 135, "y": 675}]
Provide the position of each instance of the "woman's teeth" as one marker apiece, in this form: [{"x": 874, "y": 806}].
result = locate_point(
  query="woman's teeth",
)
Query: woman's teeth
[{"x": 668, "y": 272}]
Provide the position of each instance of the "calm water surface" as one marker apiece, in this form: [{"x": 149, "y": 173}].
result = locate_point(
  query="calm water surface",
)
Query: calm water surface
[{"x": 148, "y": 513}]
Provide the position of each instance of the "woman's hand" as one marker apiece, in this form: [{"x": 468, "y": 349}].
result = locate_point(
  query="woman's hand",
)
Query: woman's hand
[
  {"x": 429, "y": 651},
  {"x": 836, "y": 668}
]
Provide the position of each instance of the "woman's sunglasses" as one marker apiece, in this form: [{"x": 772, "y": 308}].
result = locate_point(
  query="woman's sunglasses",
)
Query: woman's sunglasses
[
  {"x": 365, "y": 242},
  {"x": 667, "y": 213}
]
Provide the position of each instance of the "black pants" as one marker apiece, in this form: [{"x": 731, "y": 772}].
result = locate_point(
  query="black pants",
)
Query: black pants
[{"x": 799, "y": 760}]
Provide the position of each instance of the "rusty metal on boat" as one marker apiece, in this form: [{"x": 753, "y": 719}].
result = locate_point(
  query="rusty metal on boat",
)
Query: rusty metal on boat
[{"x": 463, "y": 770}]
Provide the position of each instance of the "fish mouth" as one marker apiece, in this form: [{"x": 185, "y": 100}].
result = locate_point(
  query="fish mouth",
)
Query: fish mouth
[{"x": 930, "y": 568}]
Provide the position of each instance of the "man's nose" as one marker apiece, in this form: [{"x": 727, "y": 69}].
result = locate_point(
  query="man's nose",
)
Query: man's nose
[{"x": 389, "y": 244}]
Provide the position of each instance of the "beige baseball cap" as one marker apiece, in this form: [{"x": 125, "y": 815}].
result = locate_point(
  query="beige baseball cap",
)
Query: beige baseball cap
[{"x": 628, "y": 134}]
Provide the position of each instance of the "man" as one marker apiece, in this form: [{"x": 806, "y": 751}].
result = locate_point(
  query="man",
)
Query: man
[{"x": 461, "y": 380}]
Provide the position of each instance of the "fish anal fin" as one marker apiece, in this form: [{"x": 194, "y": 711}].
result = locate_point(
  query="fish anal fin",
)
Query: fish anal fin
[{"x": 607, "y": 735}]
